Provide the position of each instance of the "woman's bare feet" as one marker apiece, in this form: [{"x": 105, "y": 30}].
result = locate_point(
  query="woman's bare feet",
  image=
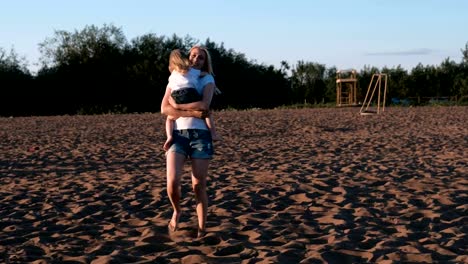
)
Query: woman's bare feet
[
  {"x": 201, "y": 233},
  {"x": 173, "y": 224}
]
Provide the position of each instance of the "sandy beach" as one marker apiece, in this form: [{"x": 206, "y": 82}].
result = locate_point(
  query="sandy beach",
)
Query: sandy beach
[{"x": 286, "y": 186}]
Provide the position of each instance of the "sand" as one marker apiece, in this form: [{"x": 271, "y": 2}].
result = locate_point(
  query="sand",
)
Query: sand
[{"x": 286, "y": 186}]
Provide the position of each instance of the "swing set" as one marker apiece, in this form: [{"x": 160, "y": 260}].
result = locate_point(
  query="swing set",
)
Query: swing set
[
  {"x": 378, "y": 84},
  {"x": 346, "y": 88},
  {"x": 346, "y": 92}
]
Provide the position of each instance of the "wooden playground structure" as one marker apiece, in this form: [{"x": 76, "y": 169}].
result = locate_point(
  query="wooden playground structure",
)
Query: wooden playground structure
[
  {"x": 346, "y": 88},
  {"x": 377, "y": 84}
]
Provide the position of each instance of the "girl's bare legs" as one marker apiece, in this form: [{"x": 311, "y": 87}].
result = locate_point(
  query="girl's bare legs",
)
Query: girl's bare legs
[
  {"x": 199, "y": 175},
  {"x": 168, "y": 143},
  {"x": 175, "y": 164},
  {"x": 211, "y": 126},
  {"x": 169, "y": 130}
]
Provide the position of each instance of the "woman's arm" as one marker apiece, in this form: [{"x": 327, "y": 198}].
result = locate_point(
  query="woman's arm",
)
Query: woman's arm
[
  {"x": 198, "y": 105},
  {"x": 168, "y": 110}
]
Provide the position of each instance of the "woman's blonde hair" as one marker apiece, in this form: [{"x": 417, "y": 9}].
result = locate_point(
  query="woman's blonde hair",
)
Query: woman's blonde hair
[
  {"x": 207, "y": 66},
  {"x": 178, "y": 62}
]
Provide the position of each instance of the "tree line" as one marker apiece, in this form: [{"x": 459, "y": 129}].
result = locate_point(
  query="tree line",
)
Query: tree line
[{"x": 97, "y": 70}]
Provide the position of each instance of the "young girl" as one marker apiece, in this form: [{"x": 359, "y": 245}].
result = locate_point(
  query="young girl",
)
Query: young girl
[{"x": 182, "y": 82}]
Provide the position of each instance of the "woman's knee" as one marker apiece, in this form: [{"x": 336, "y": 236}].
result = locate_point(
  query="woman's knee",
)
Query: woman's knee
[
  {"x": 199, "y": 187},
  {"x": 173, "y": 176}
]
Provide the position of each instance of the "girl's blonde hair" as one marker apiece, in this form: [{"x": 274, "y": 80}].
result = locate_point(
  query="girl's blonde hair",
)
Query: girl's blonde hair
[
  {"x": 207, "y": 67},
  {"x": 178, "y": 62}
]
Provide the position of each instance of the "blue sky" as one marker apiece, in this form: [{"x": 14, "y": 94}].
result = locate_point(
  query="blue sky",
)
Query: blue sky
[{"x": 344, "y": 34}]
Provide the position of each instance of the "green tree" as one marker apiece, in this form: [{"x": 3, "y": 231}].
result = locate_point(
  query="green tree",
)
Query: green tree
[
  {"x": 330, "y": 83},
  {"x": 79, "y": 47},
  {"x": 465, "y": 54},
  {"x": 448, "y": 72},
  {"x": 84, "y": 68},
  {"x": 397, "y": 78},
  {"x": 15, "y": 85},
  {"x": 245, "y": 83},
  {"x": 364, "y": 79},
  {"x": 461, "y": 78},
  {"x": 308, "y": 82},
  {"x": 147, "y": 67},
  {"x": 11, "y": 62}
]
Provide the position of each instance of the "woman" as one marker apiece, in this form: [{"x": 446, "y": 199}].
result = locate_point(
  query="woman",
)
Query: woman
[{"x": 191, "y": 139}]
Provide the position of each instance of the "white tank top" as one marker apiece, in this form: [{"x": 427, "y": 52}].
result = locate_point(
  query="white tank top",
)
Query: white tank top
[{"x": 193, "y": 122}]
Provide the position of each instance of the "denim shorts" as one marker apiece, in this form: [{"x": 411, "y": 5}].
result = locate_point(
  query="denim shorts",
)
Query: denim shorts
[{"x": 193, "y": 143}]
